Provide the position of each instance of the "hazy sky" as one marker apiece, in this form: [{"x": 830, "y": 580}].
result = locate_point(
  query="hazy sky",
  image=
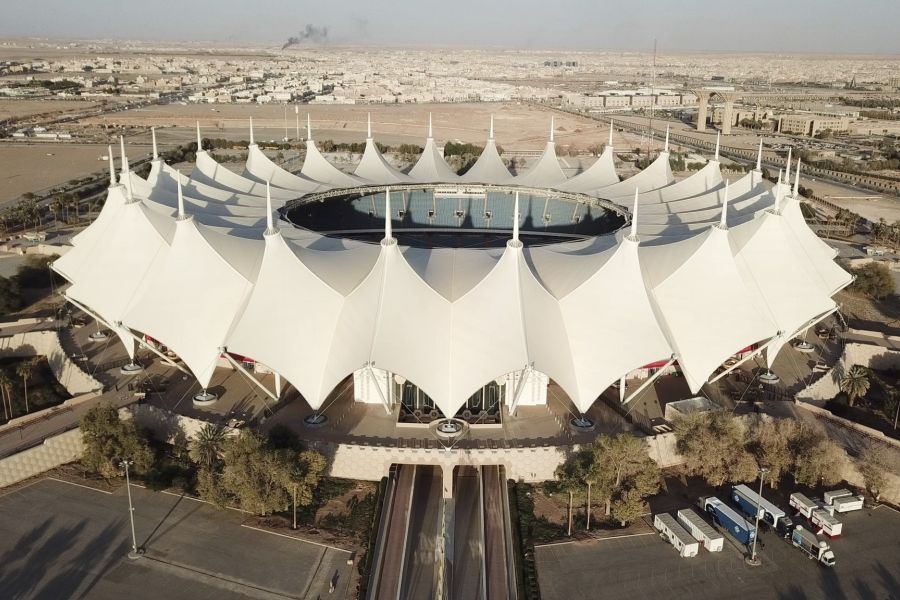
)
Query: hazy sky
[{"x": 831, "y": 26}]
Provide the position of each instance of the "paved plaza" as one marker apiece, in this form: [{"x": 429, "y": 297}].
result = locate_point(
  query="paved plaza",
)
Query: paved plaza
[{"x": 59, "y": 540}]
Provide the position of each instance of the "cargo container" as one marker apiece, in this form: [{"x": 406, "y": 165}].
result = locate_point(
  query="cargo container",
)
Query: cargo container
[
  {"x": 847, "y": 504},
  {"x": 736, "y": 525},
  {"x": 676, "y": 535},
  {"x": 810, "y": 544},
  {"x": 804, "y": 505},
  {"x": 702, "y": 531},
  {"x": 830, "y": 497},
  {"x": 826, "y": 523},
  {"x": 748, "y": 500}
]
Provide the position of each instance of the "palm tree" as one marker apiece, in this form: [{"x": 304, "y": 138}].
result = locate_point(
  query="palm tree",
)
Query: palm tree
[
  {"x": 25, "y": 368},
  {"x": 5, "y": 383},
  {"x": 206, "y": 447},
  {"x": 855, "y": 383}
]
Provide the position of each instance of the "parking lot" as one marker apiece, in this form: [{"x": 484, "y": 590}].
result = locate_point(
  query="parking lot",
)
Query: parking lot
[
  {"x": 58, "y": 540},
  {"x": 644, "y": 566}
]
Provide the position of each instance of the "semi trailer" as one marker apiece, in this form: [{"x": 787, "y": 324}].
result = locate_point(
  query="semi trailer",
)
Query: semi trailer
[{"x": 736, "y": 525}]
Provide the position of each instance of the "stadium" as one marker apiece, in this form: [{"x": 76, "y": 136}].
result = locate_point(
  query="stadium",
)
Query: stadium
[{"x": 425, "y": 298}]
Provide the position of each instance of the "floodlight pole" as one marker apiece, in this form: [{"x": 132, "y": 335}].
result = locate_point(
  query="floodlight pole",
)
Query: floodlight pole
[
  {"x": 135, "y": 552},
  {"x": 762, "y": 475}
]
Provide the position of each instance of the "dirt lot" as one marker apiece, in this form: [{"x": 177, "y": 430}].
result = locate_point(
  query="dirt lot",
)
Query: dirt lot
[
  {"x": 33, "y": 167},
  {"x": 12, "y": 109},
  {"x": 517, "y": 126}
]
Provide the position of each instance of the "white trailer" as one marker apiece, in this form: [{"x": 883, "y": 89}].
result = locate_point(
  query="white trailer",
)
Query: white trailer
[
  {"x": 847, "y": 504},
  {"x": 702, "y": 531},
  {"x": 830, "y": 497},
  {"x": 826, "y": 523},
  {"x": 804, "y": 505},
  {"x": 676, "y": 535}
]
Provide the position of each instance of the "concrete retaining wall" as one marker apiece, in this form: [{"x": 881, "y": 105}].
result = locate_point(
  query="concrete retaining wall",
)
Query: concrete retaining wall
[
  {"x": 46, "y": 343},
  {"x": 167, "y": 426},
  {"x": 55, "y": 451}
]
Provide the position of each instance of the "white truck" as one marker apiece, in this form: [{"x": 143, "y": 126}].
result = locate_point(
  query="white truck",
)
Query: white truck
[
  {"x": 802, "y": 504},
  {"x": 829, "y": 497},
  {"x": 841, "y": 501},
  {"x": 847, "y": 504},
  {"x": 676, "y": 535},
  {"x": 826, "y": 523},
  {"x": 810, "y": 544}
]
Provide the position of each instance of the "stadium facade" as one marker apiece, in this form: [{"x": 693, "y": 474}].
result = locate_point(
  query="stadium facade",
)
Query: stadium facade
[{"x": 206, "y": 265}]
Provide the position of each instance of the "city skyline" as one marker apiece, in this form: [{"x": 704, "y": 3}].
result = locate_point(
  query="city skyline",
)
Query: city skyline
[{"x": 531, "y": 25}]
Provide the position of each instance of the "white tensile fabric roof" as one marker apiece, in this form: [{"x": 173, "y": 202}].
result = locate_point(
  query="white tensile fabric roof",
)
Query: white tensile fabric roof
[{"x": 219, "y": 275}]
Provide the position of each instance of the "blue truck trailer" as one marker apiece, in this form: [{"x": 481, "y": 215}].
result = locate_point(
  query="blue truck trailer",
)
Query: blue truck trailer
[
  {"x": 748, "y": 501},
  {"x": 727, "y": 518}
]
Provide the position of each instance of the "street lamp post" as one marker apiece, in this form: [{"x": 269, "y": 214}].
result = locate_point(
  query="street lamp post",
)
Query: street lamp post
[
  {"x": 762, "y": 476},
  {"x": 135, "y": 551}
]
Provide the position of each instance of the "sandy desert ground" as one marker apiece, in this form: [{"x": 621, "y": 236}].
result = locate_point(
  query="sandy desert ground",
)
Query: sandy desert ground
[
  {"x": 25, "y": 108},
  {"x": 26, "y": 167},
  {"x": 517, "y": 126}
]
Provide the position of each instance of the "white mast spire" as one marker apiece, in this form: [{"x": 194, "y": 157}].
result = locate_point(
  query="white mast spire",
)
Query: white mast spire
[
  {"x": 270, "y": 225},
  {"x": 610, "y": 132},
  {"x": 123, "y": 168},
  {"x": 429, "y": 126},
  {"x": 718, "y": 136},
  {"x": 551, "y": 127},
  {"x": 112, "y": 168},
  {"x": 666, "y": 147},
  {"x": 787, "y": 170},
  {"x": 515, "y": 236},
  {"x": 778, "y": 192},
  {"x": 491, "y": 134},
  {"x": 759, "y": 156},
  {"x": 634, "y": 216},
  {"x": 723, "y": 223},
  {"x": 797, "y": 180},
  {"x": 308, "y": 127},
  {"x": 155, "y": 150},
  {"x": 369, "y": 116},
  {"x": 388, "y": 230},
  {"x": 297, "y": 118},
  {"x": 199, "y": 139},
  {"x": 181, "y": 215},
  {"x": 251, "y": 131}
]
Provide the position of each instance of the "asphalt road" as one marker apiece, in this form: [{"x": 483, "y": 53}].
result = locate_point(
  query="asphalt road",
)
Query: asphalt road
[
  {"x": 395, "y": 541},
  {"x": 419, "y": 568},
  {"x": 494, "y": 535},
  {"x": 468, "y": 541},
  {"x": 644, "y": 566},
  {"x": 58, "y": 540}
]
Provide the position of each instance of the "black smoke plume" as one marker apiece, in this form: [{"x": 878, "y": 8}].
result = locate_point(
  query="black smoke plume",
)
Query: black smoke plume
[{"x": 311, "y": 33}]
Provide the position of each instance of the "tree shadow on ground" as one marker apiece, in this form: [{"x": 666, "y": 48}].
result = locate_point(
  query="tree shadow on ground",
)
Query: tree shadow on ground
[{"x": 50, "y": 562}]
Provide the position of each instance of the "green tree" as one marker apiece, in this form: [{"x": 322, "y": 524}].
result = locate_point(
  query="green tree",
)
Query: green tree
[
  {"x": 873, "y": 280},
  {"x": 855, "y": 383},
  {"x": 24, "y": 370},
  {"x": 713, "y": 446},
  {"x": 109, "y": 439},
  {"x": 817, "y": 459},
  {"x": 206, "y": 447},
  {"x": 262, "y": 479},
  {"x": 627, "y": 508},
  {"x": 10, "y": 295},
  {"x": 622, "y": 467},
  {"x": 771, "y": 444},
  {"x": 5, "y": 385},
  {"x": 571, "y": 476},
  {"x": 874, "y": 465}
]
